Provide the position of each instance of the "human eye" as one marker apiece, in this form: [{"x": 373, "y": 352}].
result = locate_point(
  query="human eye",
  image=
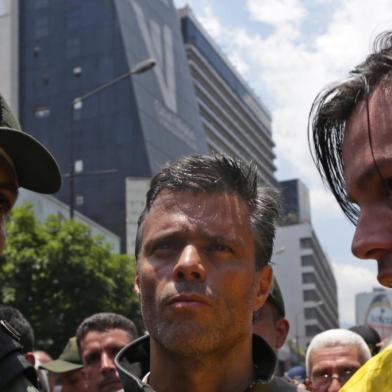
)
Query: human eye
[
  {"x": 219, "y": 247},
  {"x": 91, "y": 358},
  {"x": 321, "y": 377},
  {"x": 387, "y": 185},
  {"x": 347, "y": 373},
  {"x": 164, "y": 247}
]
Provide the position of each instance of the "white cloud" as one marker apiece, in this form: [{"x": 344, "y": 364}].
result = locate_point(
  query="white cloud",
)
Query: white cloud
[
  {"x": 351, "y": 280},
  {"x": 276, "y": 12}
]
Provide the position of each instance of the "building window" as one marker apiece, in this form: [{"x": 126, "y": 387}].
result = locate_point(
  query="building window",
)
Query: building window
[
  {"x": 312, "y": 330},
  {"x": 45, "y": 79},
  {"x": 72, "y": 47},
  {"x": 305, "y": 243},
  {"x": 42, "y": 112},
  {"x": 308, "y": 277},
  {"x": 307, "y": 261},
  {"x": 310, "y": 295},
  {"x": 41, "y": 27},
  {"x": 41, "y": 3},
  {"x": 79, "y": 200},
  {"x": 310, "y": 313}
]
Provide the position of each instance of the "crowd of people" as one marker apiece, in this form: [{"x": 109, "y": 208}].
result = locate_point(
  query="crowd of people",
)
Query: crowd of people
[{"x": 213, "y": 313}]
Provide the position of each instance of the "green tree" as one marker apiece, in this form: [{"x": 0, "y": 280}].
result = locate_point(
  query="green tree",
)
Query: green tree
[{"x": 56, "y": 273}]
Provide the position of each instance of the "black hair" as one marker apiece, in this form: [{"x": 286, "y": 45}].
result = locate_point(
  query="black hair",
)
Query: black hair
[
  {"x": 18, "y": 322},
  {"x": 101, "y": 322},
  {"x": 332, "y": 108},
  {"x": 220, "y": 174}
]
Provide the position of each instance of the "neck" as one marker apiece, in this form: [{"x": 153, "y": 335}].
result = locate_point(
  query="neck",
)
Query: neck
[{"x": 231, "y": 371}]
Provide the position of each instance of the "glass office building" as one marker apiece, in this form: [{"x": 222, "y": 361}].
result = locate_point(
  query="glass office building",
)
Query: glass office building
[{"x": 68, "y": 48}]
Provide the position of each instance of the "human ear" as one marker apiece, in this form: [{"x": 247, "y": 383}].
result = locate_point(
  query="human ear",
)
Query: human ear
[
  {"x": 282, "y": 327},
  {"x": 264, "y": 282},
  {"x": 136, "y": 285}
]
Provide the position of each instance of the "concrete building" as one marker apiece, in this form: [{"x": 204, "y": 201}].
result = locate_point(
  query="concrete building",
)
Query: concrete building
[
  {"x": 9, "y": 46},
  {"x": 303, "y": 270},
  {"x": 375, "y": 309},
  {"x": 235, "y": 121},
  {"x": 45, "y": 205}
]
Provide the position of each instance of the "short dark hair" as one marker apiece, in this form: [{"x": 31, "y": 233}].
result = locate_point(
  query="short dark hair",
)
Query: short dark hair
[
  {"x": 101, "y": 322},
  {"x": 220, "y": 174},
  {"x": 19, "y": 323},
  {"x": 332, "y": 108}
]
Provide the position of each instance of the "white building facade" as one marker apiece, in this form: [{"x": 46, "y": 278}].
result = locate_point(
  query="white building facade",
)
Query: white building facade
[{"x": 303, "y": 270}]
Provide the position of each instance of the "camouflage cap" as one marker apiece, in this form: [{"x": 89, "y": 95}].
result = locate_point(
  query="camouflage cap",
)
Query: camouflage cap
[
  {"x": 35, "y": 167},
  {"x": 68, "y": 361},
  {"x": 276, "y": 298}
]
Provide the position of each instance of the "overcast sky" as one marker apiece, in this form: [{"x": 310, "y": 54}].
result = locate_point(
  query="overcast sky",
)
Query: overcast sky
[{"x": 288, "y": 50}]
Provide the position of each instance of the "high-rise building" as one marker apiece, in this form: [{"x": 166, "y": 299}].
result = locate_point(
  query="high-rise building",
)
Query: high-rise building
[
  {"x": 302, "y": 269},
  {"x": 236, "y": 122},
  {"x": 130, "y": 129}
]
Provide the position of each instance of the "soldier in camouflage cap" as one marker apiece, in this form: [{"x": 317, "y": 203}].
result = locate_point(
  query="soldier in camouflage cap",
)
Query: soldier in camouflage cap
[{"x": 24, "y": 162}]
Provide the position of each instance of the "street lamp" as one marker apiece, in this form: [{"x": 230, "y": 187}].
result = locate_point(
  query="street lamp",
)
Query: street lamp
[
  {"x": 77, "y": 104},
  {"x": 316, "y": 305}
]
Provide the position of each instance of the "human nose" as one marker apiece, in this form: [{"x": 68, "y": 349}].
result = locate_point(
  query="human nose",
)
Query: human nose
[
  {"x": 335, "y": 384},
  {"x": 189, "y": 265},
  {"x": 107, "y": 363},
  {"x": 373, "y": 234}
]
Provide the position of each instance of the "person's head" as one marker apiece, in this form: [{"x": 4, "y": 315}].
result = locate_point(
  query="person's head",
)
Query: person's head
[
  {"x": 24, "y": 162},
  {"x": 67, "y": 368},
  {"x": 19, "y": 323},
  {"x": 333, "y": 357},
  {"x": 100, "y": 337},
  {"x": 203, "y": 245},
  {"x": 270, "y": 320},
  {"x": 351, "y": 138},
  {"x": 370, "y": 336}
]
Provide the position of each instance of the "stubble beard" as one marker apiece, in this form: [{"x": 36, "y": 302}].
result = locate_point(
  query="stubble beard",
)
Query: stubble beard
[{"x": 189, "y": 337}]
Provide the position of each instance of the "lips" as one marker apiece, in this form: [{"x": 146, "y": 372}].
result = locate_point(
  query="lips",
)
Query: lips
[
  {"x": 188, "y": 300},
  {"x": 110, "y": 384}
]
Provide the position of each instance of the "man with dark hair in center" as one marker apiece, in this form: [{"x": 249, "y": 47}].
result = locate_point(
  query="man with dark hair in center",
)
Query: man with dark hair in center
[
  {"x": 203, "y": 246},
  {"x": 350, "y": 129}
]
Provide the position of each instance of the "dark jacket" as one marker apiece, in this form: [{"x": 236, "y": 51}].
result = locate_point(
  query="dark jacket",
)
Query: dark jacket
[
  {"x": 16, "y": 374},
  {"x": 133, "y": 364}
]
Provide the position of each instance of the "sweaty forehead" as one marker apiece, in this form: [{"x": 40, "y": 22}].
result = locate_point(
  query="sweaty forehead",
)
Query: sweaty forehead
[
  {"x": 201, "y": 205},
  {"x": 209, "y": 214}
]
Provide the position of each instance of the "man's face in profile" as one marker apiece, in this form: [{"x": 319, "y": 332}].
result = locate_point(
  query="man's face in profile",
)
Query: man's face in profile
[{"x": 367, "y": 159}]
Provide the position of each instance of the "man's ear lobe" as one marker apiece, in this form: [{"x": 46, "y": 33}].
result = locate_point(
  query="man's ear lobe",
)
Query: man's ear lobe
[
  {"x": 136, "y": 285},
  {"x": 264, "y": 286}
]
